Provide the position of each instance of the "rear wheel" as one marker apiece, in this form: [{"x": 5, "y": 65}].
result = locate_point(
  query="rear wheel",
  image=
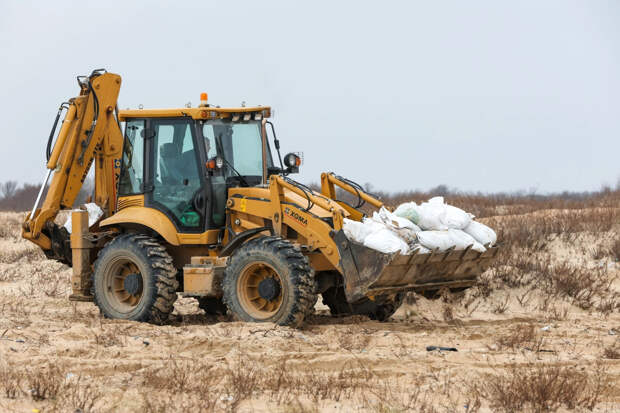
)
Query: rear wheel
[
  {"x": 381, "y": 308},
  {"x": 134, "y": 279},
  {"x": 269, "y": 279}
]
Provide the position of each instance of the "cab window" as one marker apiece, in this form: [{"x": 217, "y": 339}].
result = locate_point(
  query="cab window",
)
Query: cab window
[
  {"x": 132, "y": 168},
  {"x": 176, "y": 177}
]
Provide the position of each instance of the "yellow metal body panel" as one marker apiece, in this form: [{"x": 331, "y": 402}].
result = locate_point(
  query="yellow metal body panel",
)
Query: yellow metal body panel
[
  {"x": 284, "y": 206},
  {"x": 160, "y": 223},
  {"x": 200, "y": 280},
  {"x": 204, "y": 112}
]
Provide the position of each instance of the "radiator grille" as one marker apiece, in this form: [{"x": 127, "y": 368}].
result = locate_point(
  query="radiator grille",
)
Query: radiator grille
[{"x": 123, "y": 203}]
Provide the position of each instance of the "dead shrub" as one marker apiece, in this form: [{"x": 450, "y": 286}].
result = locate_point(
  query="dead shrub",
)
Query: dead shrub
[
  {"x": 179, "y": 402},
  {"x": 43, "y": 383},
  {"x": 500, "y": 307},
  {"x": 78, "y": 396},
  {"x": 241, "y": 381},
  {"x": 522, "y": 337},
  {"x": 110, "y": 337},
  {"x": 447, "y": 313},
  {"x": 612, "y": 352},
  {"x": 615, "y": 250},
  {"x": 10, "y": 381},
  {"x": 542, "y": 387},
  {"x": 178, "y": 377}
]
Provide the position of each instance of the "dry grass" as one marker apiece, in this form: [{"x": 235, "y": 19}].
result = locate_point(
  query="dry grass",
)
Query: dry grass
[
  {"x": 615, "y": 250},
  {"x": 612, "y": 352},
  {"x": 522, "y": 337},
  {"x": 538, "y": 387},
  {"x": 49, "y": 383}
]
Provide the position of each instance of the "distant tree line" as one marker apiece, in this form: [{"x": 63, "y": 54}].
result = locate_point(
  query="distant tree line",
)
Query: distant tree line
[{"x": 14, "y": 197}]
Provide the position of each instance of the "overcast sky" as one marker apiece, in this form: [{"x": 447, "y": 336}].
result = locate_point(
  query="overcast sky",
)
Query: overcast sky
[{"x": 478, "y": 95}]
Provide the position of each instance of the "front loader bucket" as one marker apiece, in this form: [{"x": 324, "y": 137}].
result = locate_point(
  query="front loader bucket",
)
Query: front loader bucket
[{"x": 368, "y": 272}]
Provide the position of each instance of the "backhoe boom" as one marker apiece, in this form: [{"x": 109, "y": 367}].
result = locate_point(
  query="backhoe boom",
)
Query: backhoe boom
[{"x": 90, "y": 132}]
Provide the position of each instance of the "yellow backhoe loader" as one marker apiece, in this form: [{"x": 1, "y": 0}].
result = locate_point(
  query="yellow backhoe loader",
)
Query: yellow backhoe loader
[{"x": 194, "y": 203}]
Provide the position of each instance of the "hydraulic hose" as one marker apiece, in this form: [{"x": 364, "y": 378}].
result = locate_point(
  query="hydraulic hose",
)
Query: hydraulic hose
[{"x": 48, "y": 151}]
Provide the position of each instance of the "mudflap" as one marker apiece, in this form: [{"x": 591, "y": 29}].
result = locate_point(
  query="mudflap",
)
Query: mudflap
[{"x": 368, "y": 272}]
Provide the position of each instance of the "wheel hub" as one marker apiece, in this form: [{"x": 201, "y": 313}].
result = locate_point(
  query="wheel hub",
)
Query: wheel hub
[
  {"x": 133, "y": 284},
  {"x": 269, "y": 289}
]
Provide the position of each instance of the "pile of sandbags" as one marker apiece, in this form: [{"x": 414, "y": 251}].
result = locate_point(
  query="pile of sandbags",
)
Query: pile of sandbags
[{"x": 430, "y": 226}]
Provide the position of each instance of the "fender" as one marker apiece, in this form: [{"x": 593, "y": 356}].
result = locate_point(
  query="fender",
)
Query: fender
[
  {"x": 161, "y": 224},
  {"x": 240, "y": 238},
  {"x": 148, "y": 217}
]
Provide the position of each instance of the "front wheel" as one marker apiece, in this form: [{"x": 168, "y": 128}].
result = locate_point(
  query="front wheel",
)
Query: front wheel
[{"x": 269, "y": 280}]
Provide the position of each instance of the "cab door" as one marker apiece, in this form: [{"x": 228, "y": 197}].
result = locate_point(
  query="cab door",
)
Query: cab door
[{"x": 176, "y": 182}]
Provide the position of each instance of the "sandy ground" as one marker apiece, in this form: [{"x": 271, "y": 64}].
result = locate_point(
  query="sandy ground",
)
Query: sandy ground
[{"x": 200, "y": 362}]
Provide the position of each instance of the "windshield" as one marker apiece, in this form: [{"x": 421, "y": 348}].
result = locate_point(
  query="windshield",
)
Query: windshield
[{"x": 239, "y": 143}]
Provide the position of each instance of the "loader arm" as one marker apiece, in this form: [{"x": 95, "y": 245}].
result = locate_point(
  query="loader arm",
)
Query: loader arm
[
  {"x": 329, "y": 182},
  {"x": 89, "y": 132}
]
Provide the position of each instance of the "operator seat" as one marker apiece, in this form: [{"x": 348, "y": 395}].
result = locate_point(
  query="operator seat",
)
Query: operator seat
[{"x": 170, "y": 164}]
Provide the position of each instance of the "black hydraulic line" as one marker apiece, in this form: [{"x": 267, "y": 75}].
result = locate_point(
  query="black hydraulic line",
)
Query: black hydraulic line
[
  {"x": 48, "y": 151},
  {"x": 276, "y": 143},
  {"x": 357, "y": 187},
  {"x": 306, "y": 190},
  {"x": 85, "y": 143},
  {"x": 89, "y": 135}
]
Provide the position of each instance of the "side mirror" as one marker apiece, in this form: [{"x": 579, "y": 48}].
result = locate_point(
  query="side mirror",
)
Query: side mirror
[{"x": 292, "y": 162}]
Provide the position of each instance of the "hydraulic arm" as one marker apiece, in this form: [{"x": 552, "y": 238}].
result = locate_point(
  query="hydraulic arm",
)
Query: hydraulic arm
[{"x": 90, "y": 132}]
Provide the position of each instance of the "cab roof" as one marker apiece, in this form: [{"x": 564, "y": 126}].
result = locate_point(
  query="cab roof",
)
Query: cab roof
[{"x": 201, "y": 112}]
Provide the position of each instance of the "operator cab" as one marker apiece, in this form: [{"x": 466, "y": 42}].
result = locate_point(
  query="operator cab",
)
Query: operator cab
[{"x": 182, "y": 161}]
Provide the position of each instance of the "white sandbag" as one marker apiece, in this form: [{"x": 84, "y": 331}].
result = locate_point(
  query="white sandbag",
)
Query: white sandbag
[
  {"x": 432, "y": 216},
  {"x": 456, "y": 218},
  {"x": 482, "y": 233},
  {"x": 437, "y": 215},
  {"x": 402, "y": 227},
  {"x": 94, "y": 213},
  {"x": 436, "y": 240},
  {"x": 462, "y": 240},
  {"x": 354, "y": 230},
  {"x": 390, "y": 219},
  {"x": 386, "y": 241},
  {"x": 408, "y": 210},
  {"x": 443, "y": 240},
  {"x": 408, "y": 235},
  {"x": 358, "y": 231}
]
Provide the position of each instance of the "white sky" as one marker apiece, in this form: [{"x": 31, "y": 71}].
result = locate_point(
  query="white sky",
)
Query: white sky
[{"x": 477, "y": 95}]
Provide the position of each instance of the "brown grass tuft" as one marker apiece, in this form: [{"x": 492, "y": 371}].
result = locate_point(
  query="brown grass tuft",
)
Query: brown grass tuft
[
  {"x": 542, "y": 387},
  {"x": 522, "y": 337}
]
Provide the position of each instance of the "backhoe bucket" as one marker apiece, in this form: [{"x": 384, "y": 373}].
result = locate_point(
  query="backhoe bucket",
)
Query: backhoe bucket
[{"x": 368, "y": 272}]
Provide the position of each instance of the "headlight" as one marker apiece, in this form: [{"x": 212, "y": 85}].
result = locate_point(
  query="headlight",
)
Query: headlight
[
  {"x": 219, "y": 162},
  {"x": 291, "y": 160}
]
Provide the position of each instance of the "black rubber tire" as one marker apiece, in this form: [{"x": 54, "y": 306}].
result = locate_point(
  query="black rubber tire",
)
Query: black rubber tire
[
  {"x": 293, "y": 268},
  {"x": 381, "y": 309},
  {"x": 212, "y": 305},
  {"x": 158, "y": 277}
]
